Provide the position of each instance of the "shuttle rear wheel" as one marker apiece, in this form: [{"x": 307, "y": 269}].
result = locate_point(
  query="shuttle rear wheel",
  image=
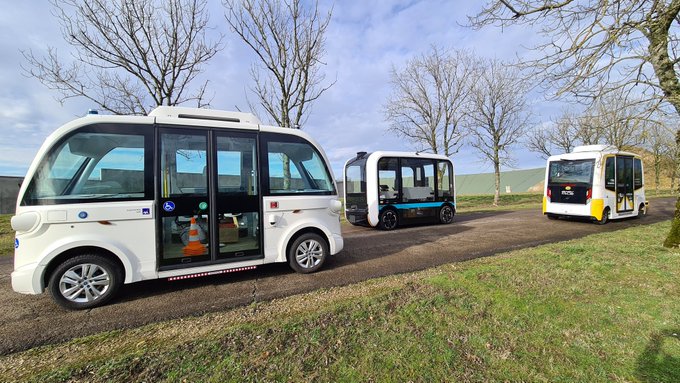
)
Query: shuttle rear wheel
[
  {"x": 605, "y": 217},
  {"x": 307, "y": 253}
]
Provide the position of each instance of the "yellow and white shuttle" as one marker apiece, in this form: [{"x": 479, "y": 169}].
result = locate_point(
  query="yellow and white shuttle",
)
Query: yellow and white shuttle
[{"x": 599, "y": 182}]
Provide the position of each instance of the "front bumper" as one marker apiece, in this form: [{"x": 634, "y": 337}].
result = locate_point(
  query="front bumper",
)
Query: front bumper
[{"x": 26, "y": 279}]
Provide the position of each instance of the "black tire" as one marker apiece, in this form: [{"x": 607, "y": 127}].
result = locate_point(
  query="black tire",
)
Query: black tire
[
  {"x": 605, "y": 217},
  {"x": 446, "y": 214},
  {"x": 307, "y": 253},
  {"x": 642, "y": 210},
  {"x": 552, "y": 216},
  {"x": 85, "y": 281},
  {"x": 388, "y": 219}
]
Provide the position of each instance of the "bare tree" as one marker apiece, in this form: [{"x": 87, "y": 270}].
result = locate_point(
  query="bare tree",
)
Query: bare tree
[
  {"x": 618, "y": 120},
  {"x": 598, "y": 46},
  {"x": 660, "y": 145},
  {"x": 559, "y": 137},
  {"x": 128, "y": 56},
  {"x": 498, "y": 114},
  {"x": 289, "y": 41},
  {"x": 429, "y": 99}
]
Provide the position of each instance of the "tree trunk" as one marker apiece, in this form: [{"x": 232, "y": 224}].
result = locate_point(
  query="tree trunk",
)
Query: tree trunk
[
  {"x": 286, "y": 172},
  {"x": 497, "y": 176},
  {"x": 673, "y": 238},
  {"x": 657, "y": 170}
]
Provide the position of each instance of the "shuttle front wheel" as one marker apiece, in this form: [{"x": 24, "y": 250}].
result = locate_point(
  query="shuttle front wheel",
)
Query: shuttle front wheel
[
  {"x": 446, "y": 214},
  {"x": 389, "y": 220},
  {"x": 85, "y": 281}
]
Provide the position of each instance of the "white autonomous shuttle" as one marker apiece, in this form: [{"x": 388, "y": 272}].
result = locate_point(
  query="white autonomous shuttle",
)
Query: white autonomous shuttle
[
  {"x": 390, "y": 189},
  {"x": 599, "y": 182},
  {"x": 179, "y": 193}
]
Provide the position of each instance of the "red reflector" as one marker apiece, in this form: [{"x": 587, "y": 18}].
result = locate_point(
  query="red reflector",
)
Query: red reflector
[{"x": 274, "y": 205}]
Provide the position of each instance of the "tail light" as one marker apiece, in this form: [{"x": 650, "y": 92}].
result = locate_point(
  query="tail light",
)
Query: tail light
[
  {"x": 548, "y": 193},
  {"x": 589, "y": 194}
]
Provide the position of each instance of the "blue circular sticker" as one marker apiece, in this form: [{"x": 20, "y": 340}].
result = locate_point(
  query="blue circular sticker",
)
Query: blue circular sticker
[
  {"x": 16, "y": 243},
  {"x": 169, "y": 206},
  {"x": 82, "y": 215}
]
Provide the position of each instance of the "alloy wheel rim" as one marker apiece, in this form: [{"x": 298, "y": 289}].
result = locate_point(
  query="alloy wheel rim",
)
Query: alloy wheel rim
[
  {"x": 309, "y": 253},
  {"x": 447, "y": 215},
  {"x": 389, "y": 219},
  {"x": 84, "y": 283}
]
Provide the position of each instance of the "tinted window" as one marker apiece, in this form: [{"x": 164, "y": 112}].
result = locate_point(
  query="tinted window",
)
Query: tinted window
[
  {"x": 237, "y": 165},
  {"x": 388, "y": 182},
  {"x": 295, "y": 166},
  {"x": 444, "y": 179},
  {"x": 610, "y": 174},
  {"x": 184, "y": 165},
  {"x": 637, "y": 173},
  {"x": 569, "y": 172},
  {"x": 354, "y": 178},
  {"x": 418, "y": 178},
  {"x": 92, "y": 166}
]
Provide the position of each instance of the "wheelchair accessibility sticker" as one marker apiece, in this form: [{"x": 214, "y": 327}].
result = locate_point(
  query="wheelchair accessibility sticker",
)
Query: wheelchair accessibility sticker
[{"x": 169, "y": 206}]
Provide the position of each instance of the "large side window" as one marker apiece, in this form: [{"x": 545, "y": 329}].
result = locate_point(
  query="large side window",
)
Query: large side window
[
  {"x": 294, "y": 166},
  {"x": 444, "y": 179},
  {"x": 184, "y": 165},
  {"x": 388, "y": 180},
  {"x": 637, "y": 173},
  {"x": 237, "y": 165},
  {"x": 94, "y": 164},
  {"x": 418, "y": 176},
  {"x": 610, "y": 174}
]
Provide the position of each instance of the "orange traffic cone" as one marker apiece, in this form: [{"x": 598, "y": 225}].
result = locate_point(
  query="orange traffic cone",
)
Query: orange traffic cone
[{"x": 194, "y": 247}]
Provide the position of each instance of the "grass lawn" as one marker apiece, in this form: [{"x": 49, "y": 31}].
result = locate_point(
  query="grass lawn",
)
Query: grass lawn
[
  {"x": 605, "y": 308},
  {"x": 6, "y": 235}
]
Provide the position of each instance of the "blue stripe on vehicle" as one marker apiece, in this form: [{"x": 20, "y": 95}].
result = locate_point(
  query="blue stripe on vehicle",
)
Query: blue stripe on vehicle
[{"x": 416, "y": 205}]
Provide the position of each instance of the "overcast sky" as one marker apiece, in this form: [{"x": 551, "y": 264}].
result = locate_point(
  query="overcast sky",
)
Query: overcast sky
[{"x": 364, "y": 40}]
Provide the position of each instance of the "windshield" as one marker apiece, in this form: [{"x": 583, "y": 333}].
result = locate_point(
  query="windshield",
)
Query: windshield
[
  {"x": 90, "y": 166},
  {"x": 355, "y": 179},
  {"x": 571, "y": 172}
]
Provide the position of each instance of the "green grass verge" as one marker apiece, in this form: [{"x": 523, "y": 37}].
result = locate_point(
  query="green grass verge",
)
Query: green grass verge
[
  {"x": 6, "y": 235},
  {"x": 600, "y": 309}
]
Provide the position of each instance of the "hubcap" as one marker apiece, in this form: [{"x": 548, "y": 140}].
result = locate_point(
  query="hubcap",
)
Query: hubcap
[
  {"x": 84, "y": 283},
  {"x": 447, "y": 214},
  {"x": 309, "y": 253},
  {"x": 389, "y": 219}
]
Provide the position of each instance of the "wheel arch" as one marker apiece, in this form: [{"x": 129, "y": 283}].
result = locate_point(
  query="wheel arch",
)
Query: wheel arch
[
  {"x": 302, "y": 231},
  {"x": 79, "y": 250}
]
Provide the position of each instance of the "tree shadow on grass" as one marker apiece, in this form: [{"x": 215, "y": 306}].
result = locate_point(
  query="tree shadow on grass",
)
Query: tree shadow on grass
[{"x": 660, "y": 361}]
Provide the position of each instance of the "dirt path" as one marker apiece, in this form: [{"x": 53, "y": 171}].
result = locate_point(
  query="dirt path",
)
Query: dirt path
[{"x": 29, "y": 321}]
